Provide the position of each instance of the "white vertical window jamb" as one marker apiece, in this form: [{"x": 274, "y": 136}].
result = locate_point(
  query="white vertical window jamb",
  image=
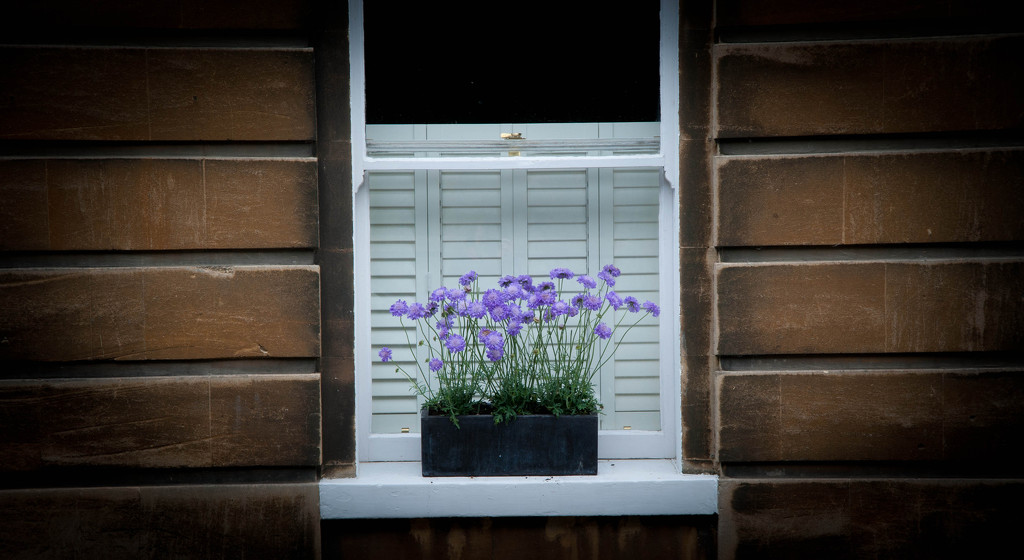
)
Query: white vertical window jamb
[
  {"x": 669, "y": 275},
  {"x": 360, "y": 230}
]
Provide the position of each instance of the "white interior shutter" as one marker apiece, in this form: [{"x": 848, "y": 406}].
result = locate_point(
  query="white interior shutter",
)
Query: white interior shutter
[
  {"x": 635, "y": 375},
  {"x": 428, "y": 228},
  {"x": 397, "y": 261}
]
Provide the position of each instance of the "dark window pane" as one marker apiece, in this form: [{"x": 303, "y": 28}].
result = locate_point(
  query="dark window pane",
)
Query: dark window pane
[{"x": 490, "y": 62}]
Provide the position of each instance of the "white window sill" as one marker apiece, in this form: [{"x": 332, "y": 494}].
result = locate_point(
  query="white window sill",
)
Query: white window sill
[{"x": 621, "y": 487}]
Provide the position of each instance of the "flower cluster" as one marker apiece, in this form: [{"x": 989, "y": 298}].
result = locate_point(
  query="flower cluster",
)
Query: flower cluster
[{"x": 521, "y": 347}]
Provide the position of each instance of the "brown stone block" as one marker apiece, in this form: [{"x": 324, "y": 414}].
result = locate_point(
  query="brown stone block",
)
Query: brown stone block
[
  {"x": 744, "y": 13},
  {"x": 801, "y": 89},
  {"x": 160, "y": 14},
  {"x": 136, "y": 94},
  {"x": 865, "y": 307},
  {"x": 61, "y": 315},
  {"x": 23, "y": 213},
  {"x": 271, "y": 420},
  {"x": 696, "y": 410},
  {"x": 125, "y": 204},
  {"x": 983, "y": 415},
  {"x": 507, "y": 538},
  {"x": 73, "y": 93},
  {"x": 182, "y": 521},
  {"x": 159, "y": 204},
  {"x": 801, "y": 308},
  {"x": 923, "y": 197},
  {"x": 70, "y": 523},
  {"x": 220, "y": 521},
  {"x": 750, "y": 413},
  {"x": 231, "y": 94},
  {"x": 159, "y": 313},
  {"x": 781, "y": 519},
  {"x": 695, "y": 193},
  {"x": 831, "y": 417},
  {"x": 696, "y": 273},
  {"x": 954, "y": 84},
  {"x": 871, "y": 416},
  {"x": 339, "y": 410},
  {"x": 156, "y": 422},
  {"x": 862, "y": 416},
  {"x": 954, "y": 307},
  {"x": 246, "y": 14},
  {"x": 213, "y": 312},
  {"x": 258, "y": 204},
  {"x": 867, "y": 518},
  {"x": 934, "y": 197},
  {"x": 161, "y": 422},
  {"x": 780, "y": 201}
]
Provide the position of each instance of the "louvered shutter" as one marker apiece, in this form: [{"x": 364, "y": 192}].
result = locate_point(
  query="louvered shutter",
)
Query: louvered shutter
[{"x": 430, "y": 227}]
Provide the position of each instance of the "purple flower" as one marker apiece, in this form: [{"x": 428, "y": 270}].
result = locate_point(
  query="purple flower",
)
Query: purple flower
[
  {"x": 439, "y": 294},
  {"x": 499, "y": 313},
  {"x": 399, "y": 308},
  {"x": 534, "y": 301},
  {"x": 652, "y": 308},
  {"x": 577, "y": 300},
  {"x": 515, "y": 313},
  {"x": 455, "y": 343},
  {"x": 476, "y": 310},
  {"x": 587, "y": 281},
  {"x": 506, "y": 280},
  {"x": 493, "y": 298},
  {"x": 495, "y": 354},
  {"x": 632, "y": 304},
  {"x": 514, "y": 327},
  {"x": 608, "y": 278},
  {"x": 525, "y": 282},
  {"x": 468, "y": 278},
  {"x": 561, "y": 273},
  {"x": 545, "y": 286},
  {"x": 614, "y": 299},
  {"x": 612, "y": 270},
  {"x": 417, "y": 311},
  {"x": 514, "y": 292},
  {"x": 604, "y": 331},
  {"x": 435, "y": 364},
  {"x": 492, "y": 339},
  {"x": 456, "y": 295},
  {"x": 592, "y": 302},
  {"x": 548, "y": 297},
  {"x": 385, "y": 354},
  {"x": 559, "y": 308}
]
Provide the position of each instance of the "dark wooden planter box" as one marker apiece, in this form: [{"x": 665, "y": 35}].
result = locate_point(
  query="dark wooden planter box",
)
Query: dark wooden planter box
[{"x": 537, "y": 445}]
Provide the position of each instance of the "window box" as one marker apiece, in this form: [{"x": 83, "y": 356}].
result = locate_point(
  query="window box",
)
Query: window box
[{"x": 529, "y": 445}]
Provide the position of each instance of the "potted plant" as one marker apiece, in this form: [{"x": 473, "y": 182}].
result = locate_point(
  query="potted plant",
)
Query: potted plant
[{"x": 510, "y": 384}]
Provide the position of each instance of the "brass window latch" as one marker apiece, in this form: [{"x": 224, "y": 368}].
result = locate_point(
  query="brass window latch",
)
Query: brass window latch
[{"x": 512, "y": 136}]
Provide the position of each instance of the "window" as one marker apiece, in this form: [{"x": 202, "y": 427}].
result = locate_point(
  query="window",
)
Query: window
[{"x": 438, "y": 192}]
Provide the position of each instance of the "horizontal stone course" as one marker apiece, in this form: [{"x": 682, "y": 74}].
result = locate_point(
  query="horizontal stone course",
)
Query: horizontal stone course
[{"x": 151, "y": 94}]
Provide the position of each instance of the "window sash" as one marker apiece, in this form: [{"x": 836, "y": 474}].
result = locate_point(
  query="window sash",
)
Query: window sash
[{"x": 612, "y": 444}]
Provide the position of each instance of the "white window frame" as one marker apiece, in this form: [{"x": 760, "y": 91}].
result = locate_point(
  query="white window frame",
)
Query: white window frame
[{"x": 612, "y": 444}]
